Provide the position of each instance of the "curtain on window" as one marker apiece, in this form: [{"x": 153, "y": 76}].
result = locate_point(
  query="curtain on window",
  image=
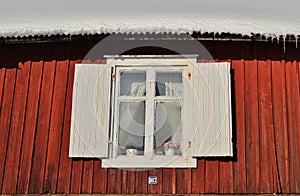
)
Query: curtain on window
[{"x": 167, "y": 113}]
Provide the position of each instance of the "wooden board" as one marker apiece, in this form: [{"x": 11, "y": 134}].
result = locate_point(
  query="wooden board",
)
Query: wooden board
[
  {"x": 198, "y": 177},
  {"x": 114, "y": 181},
  {"x": 29, "y": 126},
  {"x": 6, "y": 111},
  {"x": 293, "y": 124},
  {"x": 141, "y": 181},
  {"x": 99, "y": 179},
  {"x": 65, "y": 163},
  {"x": 169, "y": 180},
  {"x": 42, "y": 130},
  {"x": 280, "y": 125},
  {"x": 239, "y": 165},
  {"x": 56, "y": 126},
  {"x": 181, "y": 181},
  {"x": 87, "y": 176},
  {"x": 16, "y": 129},
  {"x": 76, "y": 176},
  {"x": 156, "y": 188},
  {"x": 265, "y": 126},
  {"x": 252, "y": 130}
]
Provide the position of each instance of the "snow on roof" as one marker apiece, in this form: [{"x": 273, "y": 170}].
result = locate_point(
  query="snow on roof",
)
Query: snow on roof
[{"x": 74, "y": 17}]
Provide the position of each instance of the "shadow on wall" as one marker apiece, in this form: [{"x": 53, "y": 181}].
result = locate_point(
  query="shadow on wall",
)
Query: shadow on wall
[{"x": 11, "y": 54}]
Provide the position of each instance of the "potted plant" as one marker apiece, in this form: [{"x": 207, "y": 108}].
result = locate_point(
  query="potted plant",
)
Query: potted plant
[{"x": 170, "y": 148}]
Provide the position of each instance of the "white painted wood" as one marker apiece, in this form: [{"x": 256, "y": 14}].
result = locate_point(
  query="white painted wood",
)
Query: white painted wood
[
  {"x": 207, "y": 129},
  {"x": 181, "y": 56},
  {"x": 212, "y": 107},
  {"x": 90, "y": 111},
  {"x": 159, "y": 161}
]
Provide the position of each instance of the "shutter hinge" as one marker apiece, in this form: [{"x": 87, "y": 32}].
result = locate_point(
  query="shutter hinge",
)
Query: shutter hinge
[
  {"x": 189, "y": 75},
  {"x": 112, "y": 76}
]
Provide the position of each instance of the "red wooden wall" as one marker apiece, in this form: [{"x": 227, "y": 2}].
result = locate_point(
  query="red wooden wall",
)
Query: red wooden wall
[{"x": 35, "y": 99}]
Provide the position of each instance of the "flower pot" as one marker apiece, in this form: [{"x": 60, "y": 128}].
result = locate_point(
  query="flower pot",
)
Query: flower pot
[{"x": 170, "y": 152}]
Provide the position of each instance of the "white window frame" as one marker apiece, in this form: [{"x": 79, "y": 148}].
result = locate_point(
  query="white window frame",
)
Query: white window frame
[{"x": 150, "y": 160}]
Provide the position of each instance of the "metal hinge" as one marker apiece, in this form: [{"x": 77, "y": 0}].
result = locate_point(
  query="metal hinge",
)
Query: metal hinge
[{"x": 113, "y": 76}]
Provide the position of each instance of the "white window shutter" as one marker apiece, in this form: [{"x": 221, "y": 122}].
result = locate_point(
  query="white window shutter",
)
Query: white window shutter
[
  {"x": 90, "y": 111},
  {"x": 208, "y": 111}
]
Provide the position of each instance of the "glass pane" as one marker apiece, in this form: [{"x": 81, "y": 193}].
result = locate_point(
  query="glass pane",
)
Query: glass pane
[
  {"x": 167, "y": 126},
  {"x": 168, "y": 84},
  {"x": 132, "y": 83},
  {"x": 131, "y": 127}
]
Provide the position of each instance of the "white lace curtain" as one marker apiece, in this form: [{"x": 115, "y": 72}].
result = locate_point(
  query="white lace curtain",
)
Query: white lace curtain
[{"x": 167, "y": 117}]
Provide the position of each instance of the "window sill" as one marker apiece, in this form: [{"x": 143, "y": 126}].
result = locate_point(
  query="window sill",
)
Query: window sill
[{"x": 149, "y": 162}]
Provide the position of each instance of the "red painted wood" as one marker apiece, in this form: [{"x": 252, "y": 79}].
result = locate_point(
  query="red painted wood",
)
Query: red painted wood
[
  {"x": 76, "y": 176},
  {"x": 198, "y": 177},
  {"x": 6, "y": 106},
  {"x": 286, "y": 136},
  {"x": 130, "y": 185},
  {"x": 181, "y": 181},
  {"x": 225, "y": 172},
  {"x": 265, "y": 126},
  {"x": 189, "y": 180},
  {"x": 299, "y": 72},
  {"x": 56, "y": 126},
  {"x": 293, "y": 117},
  {"x": 168, "y": 180},
  {"x": 124, "y": 182},
  {"x": 239, "y": 166},
  {"x": 211, "y": 176},
  {"x": 30, "y": 119},
  {"x": 65, "y": 163},
  {"x": 2, "y": 79},
  {"x": 6, "y": 110},
  {"x": 87, "y": 177},
  {"x": 297, "y": 116},
  {"x": 141, "y": 181},
  {"x": 114, "y": 181},
  {"x": 156, "y": 188},
  {"x": 252, "y": 134},
  {"x": 174, "y": 180},
  {"x": 272, "y": 138},
  {"x": 29, "y": 126},
  {"x": 280, "y": 124},
  {"x": 43, "y": 122},
  {"x": 16, "y": 130},
  {"x": 100, "y": 178}
]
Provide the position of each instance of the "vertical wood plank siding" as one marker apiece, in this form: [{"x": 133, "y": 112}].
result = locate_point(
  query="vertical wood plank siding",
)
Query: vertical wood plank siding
[{"x": 36, "y": 82}]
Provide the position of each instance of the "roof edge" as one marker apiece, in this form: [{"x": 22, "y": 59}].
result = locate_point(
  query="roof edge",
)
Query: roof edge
[{"x": 147, "y": 36}]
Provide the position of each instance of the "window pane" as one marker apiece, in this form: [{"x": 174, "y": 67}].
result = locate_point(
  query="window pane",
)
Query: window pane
[
  {"x": 132, "y": 83},
  {"x": 167, "y": 125},
  {"x": 168, "y": 84},
  {"x": 131, "y": 127}
]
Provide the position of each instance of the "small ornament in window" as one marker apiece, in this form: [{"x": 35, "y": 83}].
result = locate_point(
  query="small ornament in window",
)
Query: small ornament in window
[
  {"x": 171, "y": 148},
  {"x": 131, "y": 150}
]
